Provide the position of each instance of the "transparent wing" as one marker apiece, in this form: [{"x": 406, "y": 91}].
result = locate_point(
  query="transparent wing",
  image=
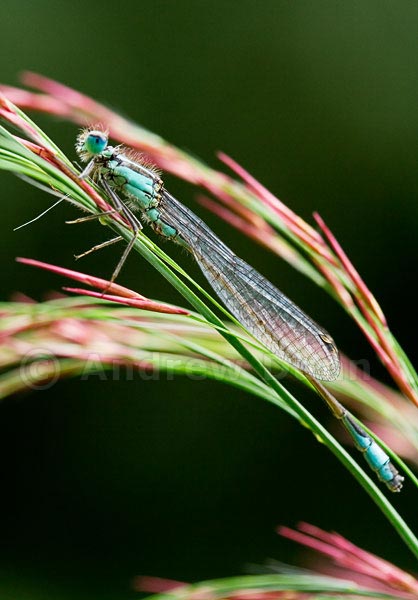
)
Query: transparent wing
[{"x": 268, "y": 314}]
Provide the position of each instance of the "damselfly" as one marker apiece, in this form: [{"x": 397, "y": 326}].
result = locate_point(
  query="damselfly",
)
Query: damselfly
[{"x": 261, "y": 308}]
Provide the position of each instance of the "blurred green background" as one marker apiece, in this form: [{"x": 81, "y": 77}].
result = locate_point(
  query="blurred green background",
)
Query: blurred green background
[{"x": 105, "y": 480}]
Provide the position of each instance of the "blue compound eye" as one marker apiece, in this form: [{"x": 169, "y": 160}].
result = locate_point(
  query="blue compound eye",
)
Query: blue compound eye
[{"x": 95, "y": 142}]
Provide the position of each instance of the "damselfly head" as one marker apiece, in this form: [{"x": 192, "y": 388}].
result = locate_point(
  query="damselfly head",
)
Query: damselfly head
[{"x": 91, "y": 142}]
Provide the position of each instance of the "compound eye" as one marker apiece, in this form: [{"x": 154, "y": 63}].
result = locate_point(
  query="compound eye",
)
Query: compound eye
[{"x": 95, "y": 142}]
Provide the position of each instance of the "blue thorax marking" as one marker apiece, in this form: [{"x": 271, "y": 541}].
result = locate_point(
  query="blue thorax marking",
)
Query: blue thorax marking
[{"x": 139, "y": 185}]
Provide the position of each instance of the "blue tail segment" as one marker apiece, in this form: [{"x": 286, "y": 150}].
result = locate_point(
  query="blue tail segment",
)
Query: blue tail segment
[{"x": 375, "y": 456}]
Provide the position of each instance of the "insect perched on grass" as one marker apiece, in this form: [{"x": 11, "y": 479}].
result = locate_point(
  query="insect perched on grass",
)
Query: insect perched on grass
[
  {"x": 273, "y": 319},
  {"x": 270, "y": 317}
]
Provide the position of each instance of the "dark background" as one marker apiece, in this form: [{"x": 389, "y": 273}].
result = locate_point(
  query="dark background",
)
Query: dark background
[{"x": 105, "y": 480}]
